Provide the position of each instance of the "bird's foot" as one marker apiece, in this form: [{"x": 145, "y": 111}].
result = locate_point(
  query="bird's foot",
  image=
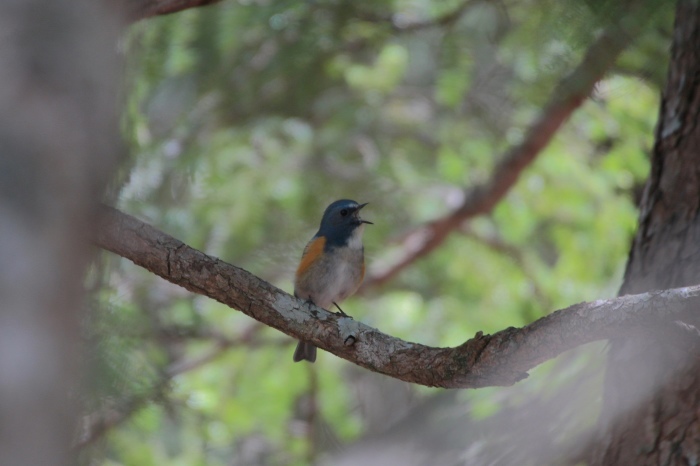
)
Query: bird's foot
[{"x": 340, "y": 312}]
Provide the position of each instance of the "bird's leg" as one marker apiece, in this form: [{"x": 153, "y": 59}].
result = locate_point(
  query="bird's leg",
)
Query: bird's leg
[{"x": 341, "y": 313}]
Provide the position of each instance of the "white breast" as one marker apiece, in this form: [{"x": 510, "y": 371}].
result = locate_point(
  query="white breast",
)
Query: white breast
[{"x": 355, "y": 241}]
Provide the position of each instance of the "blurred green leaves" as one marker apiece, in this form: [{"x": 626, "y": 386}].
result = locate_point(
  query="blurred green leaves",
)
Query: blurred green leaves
[{"x": 247, "y": 118}]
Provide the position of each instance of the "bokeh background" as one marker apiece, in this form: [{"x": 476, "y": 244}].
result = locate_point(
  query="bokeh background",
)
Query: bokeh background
[{"x": 246, "y": 118}]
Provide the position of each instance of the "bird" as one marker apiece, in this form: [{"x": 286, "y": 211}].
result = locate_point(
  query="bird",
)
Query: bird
[{"x": 333, "y": 263}]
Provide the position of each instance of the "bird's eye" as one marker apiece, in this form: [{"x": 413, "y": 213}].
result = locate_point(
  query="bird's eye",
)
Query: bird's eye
[{"x": 344, "y": 212}]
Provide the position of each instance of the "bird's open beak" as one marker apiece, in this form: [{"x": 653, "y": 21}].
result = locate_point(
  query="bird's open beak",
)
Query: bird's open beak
[{"x": 359, "y": 207}]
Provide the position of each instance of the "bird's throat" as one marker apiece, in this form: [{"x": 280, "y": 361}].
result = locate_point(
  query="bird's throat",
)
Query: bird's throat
[{"x": 355, "y": 239}]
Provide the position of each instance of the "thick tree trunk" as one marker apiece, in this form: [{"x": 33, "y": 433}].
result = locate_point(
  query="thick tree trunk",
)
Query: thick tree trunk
[
  {"x": 59, "y": 144},
  {"x": 651, "y": 405}
]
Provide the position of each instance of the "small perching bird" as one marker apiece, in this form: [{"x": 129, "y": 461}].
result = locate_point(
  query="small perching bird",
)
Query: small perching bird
[{"x": 333, "y": 264}]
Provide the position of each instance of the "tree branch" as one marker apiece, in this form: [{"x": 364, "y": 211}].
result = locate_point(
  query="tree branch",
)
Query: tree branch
[
  {"x": 248, "y": 339},
  {"x": 486, "y": 360},
  {"x": 568, "y": 95},
  {"x": 142, "y": 9}
]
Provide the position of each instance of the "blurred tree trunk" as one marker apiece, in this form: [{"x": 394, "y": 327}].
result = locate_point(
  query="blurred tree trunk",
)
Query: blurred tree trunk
[
  {"x": 651, "y": 405},
  {"x": 59, "y": 143}
]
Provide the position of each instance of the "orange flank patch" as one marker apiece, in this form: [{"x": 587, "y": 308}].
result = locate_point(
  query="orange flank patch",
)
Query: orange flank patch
[{"x": 312, "y": 252}]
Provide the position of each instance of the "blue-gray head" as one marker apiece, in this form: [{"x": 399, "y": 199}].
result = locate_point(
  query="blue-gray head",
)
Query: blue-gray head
[{"x": 340, "y": 221}]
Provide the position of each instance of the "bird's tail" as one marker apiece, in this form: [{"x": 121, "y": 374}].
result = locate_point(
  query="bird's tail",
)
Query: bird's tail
[{"x": 305, "y": 351}]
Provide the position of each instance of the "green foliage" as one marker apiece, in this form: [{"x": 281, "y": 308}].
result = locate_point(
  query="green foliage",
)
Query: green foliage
[{"x": 247, "y": 118}]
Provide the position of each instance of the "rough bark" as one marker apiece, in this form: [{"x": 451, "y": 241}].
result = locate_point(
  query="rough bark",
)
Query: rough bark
[{"x": 651, "y": 412}]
